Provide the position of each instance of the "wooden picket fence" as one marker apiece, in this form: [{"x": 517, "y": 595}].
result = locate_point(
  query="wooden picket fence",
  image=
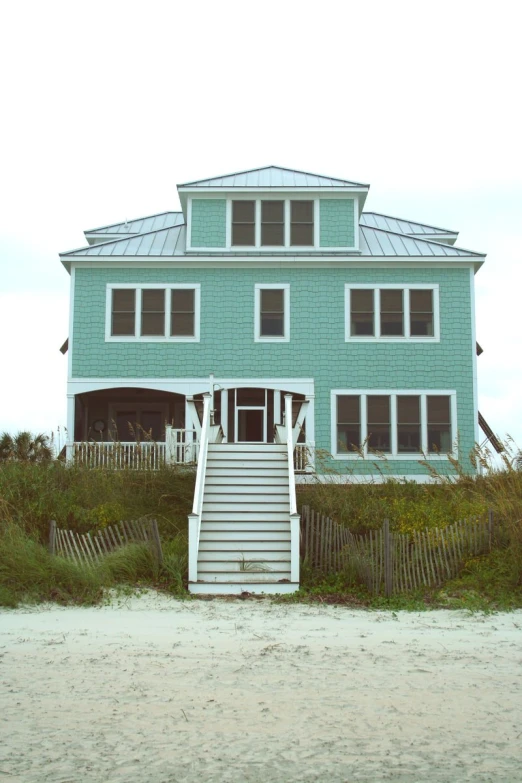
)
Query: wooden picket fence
[
  {"x": 86, "y": 549},
  {"x": 389, "y": 562}
]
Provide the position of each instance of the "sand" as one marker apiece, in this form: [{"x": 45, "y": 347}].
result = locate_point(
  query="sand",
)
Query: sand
[{"x": 154, "y": 689}]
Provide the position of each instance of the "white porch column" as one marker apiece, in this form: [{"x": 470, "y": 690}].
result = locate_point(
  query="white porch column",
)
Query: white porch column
[
  {"x": 224, "y": 414},
  {"x": 310, "y": 428},
  {"x": 69, "y": 446},
  {"x": 189, "y": 433},
  {"x": 277, "y": 406}
]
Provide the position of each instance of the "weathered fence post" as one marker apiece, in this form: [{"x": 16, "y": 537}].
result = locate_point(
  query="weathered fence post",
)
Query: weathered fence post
[
  {"x": 52, "y": 537},
  {"x": 155, "y": 535},
  {"x": 388, "y": 565},
  {"x": 490, "y": 527}
]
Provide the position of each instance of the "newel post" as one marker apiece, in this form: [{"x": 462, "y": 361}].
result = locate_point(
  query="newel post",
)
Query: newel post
[{"x": 170, "y": 446}]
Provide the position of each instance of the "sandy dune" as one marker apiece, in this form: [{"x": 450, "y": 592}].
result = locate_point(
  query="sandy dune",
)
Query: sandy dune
[{"x": 153, "y": 689}]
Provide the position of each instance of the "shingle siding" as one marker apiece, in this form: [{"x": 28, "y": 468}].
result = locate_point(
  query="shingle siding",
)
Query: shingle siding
[
  {"x": 208, "y": 224},
  {"x": 317, "y": 348},
  {"x": 337, "y": 222}
]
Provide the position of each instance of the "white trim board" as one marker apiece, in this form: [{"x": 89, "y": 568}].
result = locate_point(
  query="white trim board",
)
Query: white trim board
[
  {"x": 189, "y": 386},
  {"x": 258, "y": 288}
]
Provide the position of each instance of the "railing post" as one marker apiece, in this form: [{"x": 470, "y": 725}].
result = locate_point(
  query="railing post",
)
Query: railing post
[
  {"x": 170, "y": 446},
  {"x": 195, "y": 517},
  {"x": 294, "y": 516}
]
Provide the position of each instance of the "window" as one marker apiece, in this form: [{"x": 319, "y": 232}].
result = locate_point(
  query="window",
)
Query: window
[
  {"x": 123, "y": 311},
  {"x": 244, "y": 223},
  {"x": 302, "y": 223},
  {"x": 273, "y": 223},
  {"x": 404, "y": 424},
  {"x": 272, "y": 312},
  {"x": 392, "y": 312},
  {"x": 153, "y": 312}
]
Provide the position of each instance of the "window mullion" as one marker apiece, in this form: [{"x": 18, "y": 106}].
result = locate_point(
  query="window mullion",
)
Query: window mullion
[
  {"x": 137, "y": 328},
  {"x": 377, "y": 311},
  {"x": 287, "y": 222},
  {"x": 393, "y": 424},
  {"x": 168, "y": 309},
  {"x": 424, "y": 423},
  {"x": 364, "y": 422},
  {"x": 257, "y": 223},
  {"x": 407, "y": 315}
]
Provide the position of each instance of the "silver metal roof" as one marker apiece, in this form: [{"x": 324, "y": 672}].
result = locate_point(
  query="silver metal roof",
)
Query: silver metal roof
[
  {"x": 170, "y": 242},
  {"x": 165, "y": 242},
  {"x": 141, "y": 225},
  {"x": 378, "y": 242},
  {"x": 273, "y": 177},
  {"x": 401, "y": 226}
]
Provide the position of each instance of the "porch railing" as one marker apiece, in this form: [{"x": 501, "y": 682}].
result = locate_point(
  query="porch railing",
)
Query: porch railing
[
  {"x": 180, "y": 447},
  {"x": 304, "y": 458}
]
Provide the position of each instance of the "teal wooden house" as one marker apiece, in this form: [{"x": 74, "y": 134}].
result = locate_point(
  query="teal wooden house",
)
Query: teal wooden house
[{"x": 271, "y": 330}]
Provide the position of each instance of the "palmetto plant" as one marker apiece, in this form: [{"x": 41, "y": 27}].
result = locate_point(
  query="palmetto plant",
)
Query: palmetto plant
[{"x": 25, "y": 447}]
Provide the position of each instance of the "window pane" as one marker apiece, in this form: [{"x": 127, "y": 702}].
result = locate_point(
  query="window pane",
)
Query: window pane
[
  {"x": 348, "y": 423},
  {"x": 182, "y": 325},
  {"x": 123, "y": 324},
  {"x": 301, "y": 234},
  {"x": 439, "y": 425},
  {"x": 243, "y": 211},
  {"x": 152, "y": 324},
  {"x": 182, "y": 300},
  {"x": 391, "y": 300},
  {"x": 273, "y": 234},
  {"x": 272, "y": 211},
  {"x": 421, "y": 313},
  {"x": 272, "y": 300},
  {"x": 362, "y": 320},
  {"x": 302, "y": 211},
  {"x": 272, "y": 325},
  {"x": 153, "y": 300},
  {"x": 379, "y": 423},
  {"x": 408, "y": 424},
  {"x": 251, "y": 397},
  {"x": 348, "y": 409},
  {"x": 123, "y": 299},
  {"x": 243, "y": 234},
  {"x": 391, "y": 324}
]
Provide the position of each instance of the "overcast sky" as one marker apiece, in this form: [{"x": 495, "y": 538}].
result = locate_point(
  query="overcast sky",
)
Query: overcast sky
[{"x": 108, "y": 105}]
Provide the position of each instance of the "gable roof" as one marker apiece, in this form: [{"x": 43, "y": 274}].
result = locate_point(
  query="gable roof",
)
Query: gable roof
[
  {"x": 273, "y": 177},
  {"x": 402, "y": 226},
  {"x": 140, "y": 225}
]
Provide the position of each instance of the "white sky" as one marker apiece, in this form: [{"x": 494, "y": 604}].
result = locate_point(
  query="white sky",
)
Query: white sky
[{"x": 107, "y": 105}]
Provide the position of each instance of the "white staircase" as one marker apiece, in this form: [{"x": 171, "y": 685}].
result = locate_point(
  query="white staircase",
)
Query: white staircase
[{"x": 244, "y": 531}]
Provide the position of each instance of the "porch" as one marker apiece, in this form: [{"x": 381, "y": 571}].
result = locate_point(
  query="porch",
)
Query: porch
[{"x": 140, "y": 428}]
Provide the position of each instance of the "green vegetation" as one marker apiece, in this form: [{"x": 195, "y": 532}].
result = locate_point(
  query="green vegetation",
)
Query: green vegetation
[{"x": 32, "y": 493}]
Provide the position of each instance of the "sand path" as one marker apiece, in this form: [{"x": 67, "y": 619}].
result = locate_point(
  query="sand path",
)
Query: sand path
[{"x": 158, "y": 690}]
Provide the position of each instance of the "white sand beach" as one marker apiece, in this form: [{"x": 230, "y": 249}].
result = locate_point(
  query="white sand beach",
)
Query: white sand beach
[{"x": 160, "y": 690}]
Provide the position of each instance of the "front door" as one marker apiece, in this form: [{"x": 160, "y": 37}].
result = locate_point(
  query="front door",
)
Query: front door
[{"x": 250, "y": 424}]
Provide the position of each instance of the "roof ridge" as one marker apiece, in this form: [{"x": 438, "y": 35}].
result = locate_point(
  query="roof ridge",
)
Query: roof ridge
[
  {"x": 134, "y": 220},
  {"x": 421, "y": 239},
  {"x": 122, "y": 239},
  {"x": 407, "y": 220},
  {"x": 272, "y": 166}
]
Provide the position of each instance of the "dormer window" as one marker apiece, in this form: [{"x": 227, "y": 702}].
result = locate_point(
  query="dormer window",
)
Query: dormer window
[{"x": 269, "y": 223}]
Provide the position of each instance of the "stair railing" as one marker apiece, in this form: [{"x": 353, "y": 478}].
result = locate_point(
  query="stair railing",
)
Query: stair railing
[
  {"x": 197, "y": 507},
  {"x": 294, "y": 516}
]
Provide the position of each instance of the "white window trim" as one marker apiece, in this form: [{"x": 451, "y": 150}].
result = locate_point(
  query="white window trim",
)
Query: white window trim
[
  {"x": 137, "y": 337},
  {"x": 376, "y": 288},
  {"x": 394, "y": 454},
  {"x": 258, "y": 338}
]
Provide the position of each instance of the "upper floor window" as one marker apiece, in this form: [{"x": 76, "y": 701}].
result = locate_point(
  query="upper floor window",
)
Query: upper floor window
[
  {"x": 153, "y": 312},
  {"x": 395, "y": 423},
  {"x": 272, "y": 312},
  {"x": 273, "y": 223},
  {"x": 392, "y": 312}
]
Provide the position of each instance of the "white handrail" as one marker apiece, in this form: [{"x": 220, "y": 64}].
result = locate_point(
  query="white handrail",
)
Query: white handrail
[
  {"x": 195, "y": 516},
  {"x": 294, "y": 516}
]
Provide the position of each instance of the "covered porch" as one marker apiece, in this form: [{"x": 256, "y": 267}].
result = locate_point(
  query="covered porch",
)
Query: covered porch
[{"x": 143, "y": 427}]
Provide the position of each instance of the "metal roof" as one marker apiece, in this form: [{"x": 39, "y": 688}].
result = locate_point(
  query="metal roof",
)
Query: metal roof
[
  {"x": 141, "y": 225},
  {"x": 171, "y": 242},
  {"x": 165, "y": 242},
  {"x": 273, "y": 177},
  {"x": 400, "y": 226},
  {"x": 378, "y": 242}
]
